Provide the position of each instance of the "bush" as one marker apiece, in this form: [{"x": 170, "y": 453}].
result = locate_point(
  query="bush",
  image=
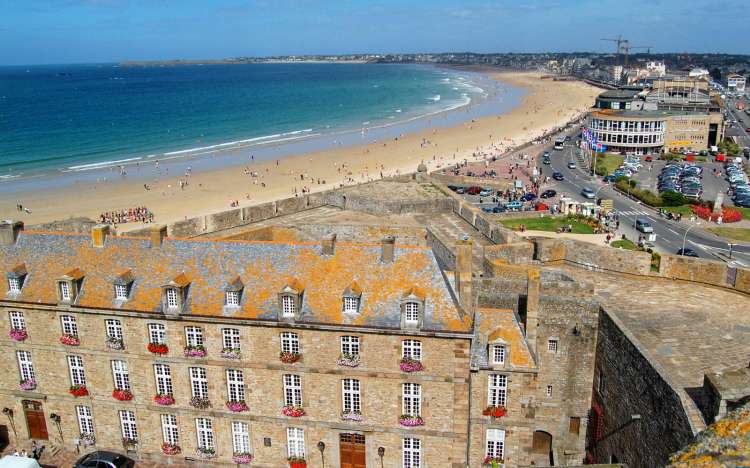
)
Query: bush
[
  {"x": 646, "y": 196},
  {"x": 633, "y": 183},
  {"x": 672, "y": 198}
]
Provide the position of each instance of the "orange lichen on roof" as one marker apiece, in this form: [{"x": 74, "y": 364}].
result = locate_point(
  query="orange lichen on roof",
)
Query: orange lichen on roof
[
  {"x": 74, "y": 274},
  {"x": 19, "y": 269},
  {"x": 295, "y": 285},
  {"x": 180, "y": 280},
  {"x": 416, "y": 292},
  {"x": 354, "y": 289},
  {"x": 501, "y": 325}
]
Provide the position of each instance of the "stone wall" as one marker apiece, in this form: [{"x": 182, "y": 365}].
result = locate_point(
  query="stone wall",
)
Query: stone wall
[
  {"x": 592, "y": 257},
  {"x": 517, "y": 253},
  {"x": 466, "y": 181},
  {"x": 694, "y": 269},
  {"x": 630, "y": 382},
  {"x": 443, "y": 251}
]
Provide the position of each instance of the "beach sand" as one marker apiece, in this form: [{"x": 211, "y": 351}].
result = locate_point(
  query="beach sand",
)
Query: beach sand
[{"x": 546, "y": 105}]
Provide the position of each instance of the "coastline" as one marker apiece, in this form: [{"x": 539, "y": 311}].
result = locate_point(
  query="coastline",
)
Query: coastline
[{"x": 544, "y": 106}]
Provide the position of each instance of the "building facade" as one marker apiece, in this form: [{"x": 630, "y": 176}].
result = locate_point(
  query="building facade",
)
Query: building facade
[
  {"x": 217, "y": 352},
  {"x": 736, "y": 83}
]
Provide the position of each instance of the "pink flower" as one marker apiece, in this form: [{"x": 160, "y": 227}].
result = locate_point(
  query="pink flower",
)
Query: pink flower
[
  {"x": 237, "y": 406},
  {"x": 410, "y": 421},
  {"x": 164, "y": 400},
  {"x": 410, "y": 365},
  {"x": 18, "y": 334},
  {"x": 29, "y": 384},
  {"x": 293, "y": 411},
  {"x": 242, "y": 458},
  {"x": 70, "y": 340}
]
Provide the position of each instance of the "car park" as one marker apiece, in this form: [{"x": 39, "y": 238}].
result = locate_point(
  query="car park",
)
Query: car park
[
  {"x": 486, "y": 192},
  {"x": 558, "y": 176},
  {"x": 548, "y": 194},
  {"x": 642, "y": 225},
  {"x": 515, "y": 205},
  {"x": 474, "y": 190}
]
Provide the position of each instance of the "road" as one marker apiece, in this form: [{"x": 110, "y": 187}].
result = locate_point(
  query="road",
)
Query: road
[
  {"x": 670, "y": 235},
  {"x": 739, "y": 130}
]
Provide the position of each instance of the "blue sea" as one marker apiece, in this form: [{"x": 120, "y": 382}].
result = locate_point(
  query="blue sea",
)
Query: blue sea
[{"x": 73, "y": 118}]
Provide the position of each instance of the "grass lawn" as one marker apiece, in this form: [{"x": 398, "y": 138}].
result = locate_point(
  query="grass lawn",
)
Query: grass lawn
[
  {"x": 624, "y": 244},
  {"x": 547, "y": 223},
  {"x": 684, "y": 210},
  {"x": 745, "y": 212},
  {"x": 736, "y": 234},
  {"x": 610, "y": 162}
]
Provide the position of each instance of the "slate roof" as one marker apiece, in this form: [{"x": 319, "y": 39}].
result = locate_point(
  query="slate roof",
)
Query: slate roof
[
  {"x": 500, "y": 326},
  {"x": 264, "y": 269}
]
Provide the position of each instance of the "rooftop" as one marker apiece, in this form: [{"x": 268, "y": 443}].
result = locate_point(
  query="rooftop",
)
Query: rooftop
[
  {"x": 207, "y": 267},
  {"x": 619, "y": 94}
]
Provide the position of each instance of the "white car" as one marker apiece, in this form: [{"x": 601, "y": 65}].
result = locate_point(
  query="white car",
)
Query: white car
[{"x": 571, "y": 165}]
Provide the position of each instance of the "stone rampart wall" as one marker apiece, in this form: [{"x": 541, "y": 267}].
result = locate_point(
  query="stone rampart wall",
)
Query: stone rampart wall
[{"x": 592, "y": 257}]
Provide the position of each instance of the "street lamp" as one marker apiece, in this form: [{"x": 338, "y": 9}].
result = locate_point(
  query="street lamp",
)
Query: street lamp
[
  {"x": 9, "y": 412},
  {"x": 381, "y": 453},
  {"x": 322, "y": 448},
  {"x": 684, "y": 238}
]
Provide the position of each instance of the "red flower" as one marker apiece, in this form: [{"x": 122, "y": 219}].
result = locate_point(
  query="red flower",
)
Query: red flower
[
  {"x": 158, "y": 348},
  {"x": 495, "y": 411},
  {"x": 78, "y": 390},
  {"x": 122, "y": 395},
  {"x": 289, "y": 358}
]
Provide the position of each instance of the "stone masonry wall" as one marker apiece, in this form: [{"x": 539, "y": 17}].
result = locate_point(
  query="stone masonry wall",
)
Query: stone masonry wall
[
  {"x": 593, "y": 257},
  {"x": 629, "y": 383}
]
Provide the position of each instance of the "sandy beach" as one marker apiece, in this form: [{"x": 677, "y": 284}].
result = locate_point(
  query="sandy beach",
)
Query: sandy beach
[{"x": 546, "y": 105}]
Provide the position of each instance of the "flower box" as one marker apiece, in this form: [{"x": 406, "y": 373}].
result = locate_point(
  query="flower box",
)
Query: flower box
[
  {"x": 129, "y": 443},
  {"x": 200, "y": 402},
  {"x": 115, "y": 344},
  {"x": 237, "y": 406},
  {"x": 242, "y": 458},
  {"x": 18, "y": 334},
  {"x": 410, "y": 365},
  {"x": 194, "y": 351},
  {"x": 206, "y": 453},
  {"x": 348, "y": 360},
  {"x": 352, "y": 416},
  {"x": 28, "y": 385},
  {"x": 495, "y": 411},
  {"x": 164, "y": 400},
  {"x": 230, "y": 353},
  {"x": 297, "y": 462},
  {"x": 78, "y": 390},
  {"x": 289, "y": 357},
  {"x": 70, "y": 340},
  {"x": 157, "y": 348},
  {"x": 170, "y": 449},
  {"x": 492, "y": 461},
  {"x": 122, "y": 395},
  {"x": 87, "y": 439},
  {"x": 293, "y": 411},
  {"x": 410, "y": 421}
]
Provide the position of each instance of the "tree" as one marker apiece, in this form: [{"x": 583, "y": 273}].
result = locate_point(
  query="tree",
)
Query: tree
[
  {"x": 672, "y": 198},
  {"x": 716, "y": 74}
]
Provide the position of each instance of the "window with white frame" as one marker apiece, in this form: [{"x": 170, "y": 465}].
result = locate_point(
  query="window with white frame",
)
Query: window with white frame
[
  {"x": 289, "y": 342},
  {"x": 495, "y": 443},
  {"x": 412, "y": 451},
  {"x": 549, "y": 391},
  {"x": 411, "y": 310},
  {"x": 287, "y": 306},
  {"x": 14, "y": 285},
  {"x": 204, "y": 430},
  {"x": 114, "y": 329},
  {"x": 199, "y": 382},
  {"x": 128, "y": 426},
  {"x": 85, "y": 421},
  {"x": 120, "y": 375},
  {"x": 121, "y": 292},
  {"x": 157, "y": 333},
  {"x": 169, "y": 430},
  {"x": 194, "y": 336},
  {"x": 552, "y": 345},
  {"x": 351, "y": 400},
  {"x": 163, "y": 375},
  {"x": 350, "y": 345},
  {"x": 240, "y": 437},
  {"x": 292, "y": 390},
  {"x": 497, "y": 390},
  {"x": 412, "y": 399},
  {"x": 231, "y": 338},
  {"x": 295, "y": 442},
  {"x": 171, "y": 298},
  {"x": 411, "y": 349},
  {"x": 25, "y": 366},
  {"x": 69, "y": 325},
  {"x": 17, "y": 322},
  {"x": 235, "y": 385},
  {"x": 351, "y": 304},
  {"x": 232, "y": 298},
  {"x": 64, "y": 290},
  {"x": 498, "y": 354},
  {"x": 77, "y": 374}
]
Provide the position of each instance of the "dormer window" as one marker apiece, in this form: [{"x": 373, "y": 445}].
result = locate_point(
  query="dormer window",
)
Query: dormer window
[
  {"x": 68, "y": 285},
  {"x": 497, "y": 354},
  {"x": 122, "y": 285},
  {"x": 121, "y": 292},
  {"x": 412, "y": 309},
  {"x": 14, "y": 285},
  {"x": 233, "y": 293},
  {"x": 65, "y": 291},
  {"x": 290, "y": 300},
  {"x": 174, "y": 294},
  {"x": 172, "y": 301},
  {"x": 16, "y": 279},
  {"x": 351, "y": 305},
  {"x": 411, "y": 313},
  {"x": 287, "y": 306},
  {"x": 352, "y": 296}
]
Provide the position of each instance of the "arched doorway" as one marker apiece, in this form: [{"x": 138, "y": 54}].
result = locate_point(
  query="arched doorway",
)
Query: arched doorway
[{"x": 541, "y": 447}]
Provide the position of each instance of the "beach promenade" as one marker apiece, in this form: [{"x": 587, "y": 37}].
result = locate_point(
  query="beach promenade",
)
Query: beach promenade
[{"x": 172, "y": 197}]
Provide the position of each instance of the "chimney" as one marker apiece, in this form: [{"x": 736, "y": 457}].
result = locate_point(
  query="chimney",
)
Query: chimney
[
  {"x": 158, "y": 234},
  {"x": 386, "y": 252},
  {"x": 533, "y": 286},
  {"x": 99, "y": 234},
  {"x": 463, "y": 273},
  {"x": 9, "y": 230},
  {"x": 328, "y": 245}
]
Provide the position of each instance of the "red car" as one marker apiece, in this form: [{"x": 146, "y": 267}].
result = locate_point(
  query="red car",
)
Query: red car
[
  {"x": 648, "y": 158},
  {"x": 473, "y": 190}
]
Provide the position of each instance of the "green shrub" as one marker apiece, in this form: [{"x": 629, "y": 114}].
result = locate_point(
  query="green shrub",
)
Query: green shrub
[
  {"x": 633, "y": 183},
  {"x": 672, "y": 198}
]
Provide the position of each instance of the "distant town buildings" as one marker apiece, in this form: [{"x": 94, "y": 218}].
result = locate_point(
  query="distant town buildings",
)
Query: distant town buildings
[{"x": 736, "y": 83}]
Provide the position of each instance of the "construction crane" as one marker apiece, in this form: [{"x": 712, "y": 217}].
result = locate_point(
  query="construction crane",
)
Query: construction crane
[
  {"x": 621, "y": 44},
  {"x": 627, "y": 48}
]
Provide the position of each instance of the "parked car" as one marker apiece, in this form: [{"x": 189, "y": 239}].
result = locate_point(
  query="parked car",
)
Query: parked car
[
  {"x": 515, "y": 205},
  {"x": 460, "y": 190},
  {"x": 548, "y": 194},
  {"x": 499, "y": 209},
  {"x": 558, "y": 176},
  {"x": 474, "y": 190},
  {"x": 104, "y": 459},
  {"x": 648, "y": 158},
  {"x": 546, "y": 160},
  {"x": 486, "y": 192},
  {"x": 588, "y": 193},
  {"x": 687, "y": 252},
  {"x": 642, "y": 225},
  {"x": 528, "y": 197}
]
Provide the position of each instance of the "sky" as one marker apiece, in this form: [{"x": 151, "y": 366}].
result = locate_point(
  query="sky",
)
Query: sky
[{"x": 89, "y": 31}]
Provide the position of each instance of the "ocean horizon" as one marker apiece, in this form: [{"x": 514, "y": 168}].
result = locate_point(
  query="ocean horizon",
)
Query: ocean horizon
[{"x": 70, "y": 118}]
